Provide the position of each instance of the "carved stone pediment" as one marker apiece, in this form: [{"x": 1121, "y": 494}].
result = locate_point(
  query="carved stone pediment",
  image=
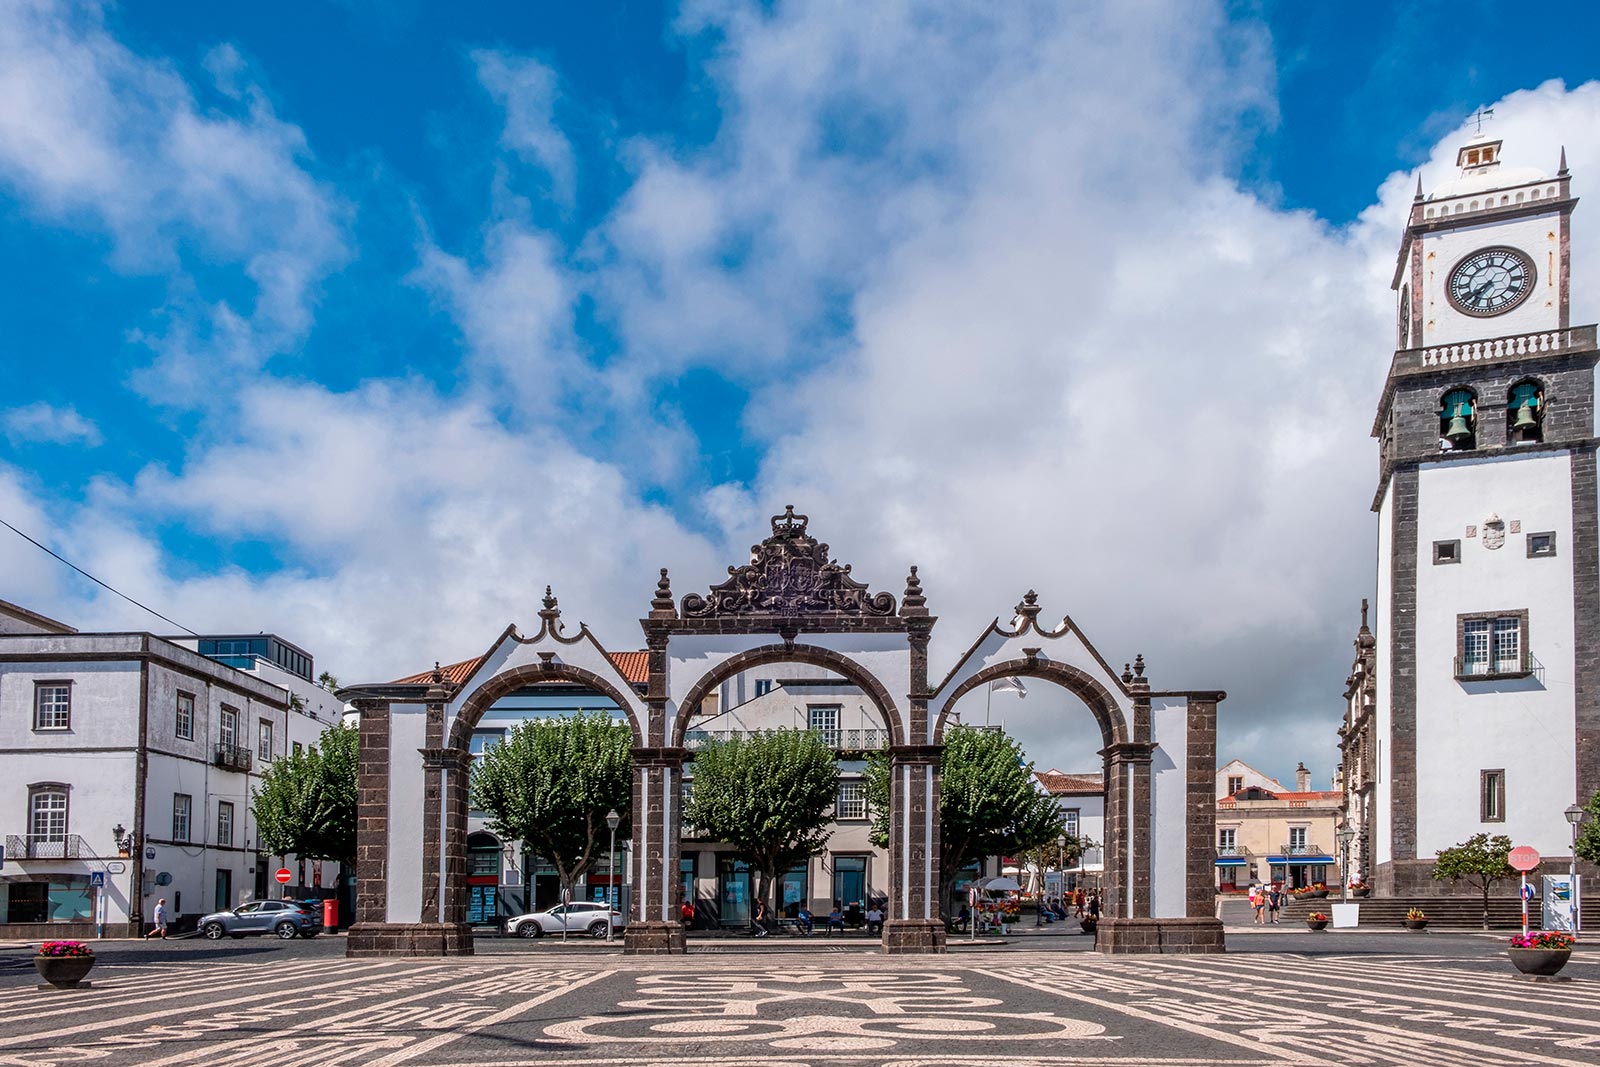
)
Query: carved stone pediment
[{"x": 789, "y": 576}]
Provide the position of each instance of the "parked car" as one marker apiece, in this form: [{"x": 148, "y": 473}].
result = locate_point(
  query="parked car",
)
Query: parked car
[
  {"x": 285, "y": 918},
  {"x": 578, "y": 917}
]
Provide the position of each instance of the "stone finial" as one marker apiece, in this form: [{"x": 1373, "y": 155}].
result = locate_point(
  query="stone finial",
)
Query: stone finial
[
  {"x": 1029, "y": 608},
  {"x": 661, "y": 606},
  {"x": 551, "y": 612},
  {"x": 1133, "y": 677},
  {"x": 913, "y": 602},
  {"x": 1138, "y": 665},
  {"x": 437, "y": 677},
  {"x": 1127, "y": 674}
]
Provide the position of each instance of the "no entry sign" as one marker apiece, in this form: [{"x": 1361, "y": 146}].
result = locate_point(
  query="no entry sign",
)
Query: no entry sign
[
  {"x": 1523, "y": 858},
  {"x": 283, "y": 875}
]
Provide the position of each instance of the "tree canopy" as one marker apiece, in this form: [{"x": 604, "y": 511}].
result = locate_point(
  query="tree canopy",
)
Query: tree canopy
[
  {"x": 1480, "y": 861},
  {"x": 1589, "y": 832},
  {"x": 306, "y": 803},
  {"x": 988, "y": 802},
  {"x": 769, "y": 795},
  {"x": 551, "y": 784}
]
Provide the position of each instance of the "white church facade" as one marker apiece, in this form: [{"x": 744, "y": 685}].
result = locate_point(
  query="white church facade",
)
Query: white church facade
[{"x": 1484, "y": 684}]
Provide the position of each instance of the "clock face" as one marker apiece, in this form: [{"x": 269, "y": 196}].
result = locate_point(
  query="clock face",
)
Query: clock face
[{"x": 1491, "y": 281}]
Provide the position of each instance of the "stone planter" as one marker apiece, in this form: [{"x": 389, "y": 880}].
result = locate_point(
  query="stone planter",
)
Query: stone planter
[
  {"x": 1416, "y": 924},
  {"x": 1543, "y": 962},
  {"x": 1319, "y": 894},
  {"x": 1316, "y": 924},
  {"x": 1364, "y": 891},
  {"x": 64, "y": 972}
]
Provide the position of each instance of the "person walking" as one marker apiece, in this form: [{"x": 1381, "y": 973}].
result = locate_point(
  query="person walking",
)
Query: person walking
[
  {"x": 159, "y": 919},
  {"x": 761, "y": 918},
  {"x": 1274, "y": 902},
  {"x": 1258, "y": 902}
]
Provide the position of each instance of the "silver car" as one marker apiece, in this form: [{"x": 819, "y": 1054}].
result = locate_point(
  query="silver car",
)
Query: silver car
[
  {"x": 579, "y": 917},
  {"x": 285, "y": 918}
]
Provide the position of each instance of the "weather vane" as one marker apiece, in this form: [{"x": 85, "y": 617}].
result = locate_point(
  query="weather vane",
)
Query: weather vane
[{"x": 1479, "y": 115}]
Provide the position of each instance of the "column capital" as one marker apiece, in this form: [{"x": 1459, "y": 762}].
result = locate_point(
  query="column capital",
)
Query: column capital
[
  {"x": 1130, "y": 752},
  {"x": 899, "y": 754},
  {"x": 668, "y": 756},
  {"x": 450, "y": 759}
]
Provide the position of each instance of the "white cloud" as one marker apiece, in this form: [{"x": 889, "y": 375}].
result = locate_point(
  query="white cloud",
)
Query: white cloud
[
  {"x": 54, "y": 425},
  {"x": 527, "y": 91}
]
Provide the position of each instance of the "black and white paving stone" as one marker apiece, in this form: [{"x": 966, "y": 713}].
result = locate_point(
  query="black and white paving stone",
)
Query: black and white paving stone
[{"x": 1284, "y": 999}]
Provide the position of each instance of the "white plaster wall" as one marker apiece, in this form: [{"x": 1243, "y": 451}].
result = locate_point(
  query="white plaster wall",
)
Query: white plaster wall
[
  {"x": 1382, "y": 714},
  {"x": 1169, "y": 821},
  {"x": 1091, "y": 810},
  {"x": 1241, "y": 769},
  {"x": 105, "y": 705},
  {"x": 1536, "y": 236},
  {"x": 1523, "y": 726},
  {"x": 407, "y": 734}
]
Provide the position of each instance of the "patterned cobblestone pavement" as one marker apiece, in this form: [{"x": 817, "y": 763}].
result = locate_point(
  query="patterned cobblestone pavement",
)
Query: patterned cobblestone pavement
[{"x": 1028, "y": 1009}]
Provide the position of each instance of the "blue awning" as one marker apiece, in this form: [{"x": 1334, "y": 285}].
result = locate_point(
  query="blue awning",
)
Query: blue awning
[
  {"x": 1300, "y": 861},
  {"x": 1230, "y": 861}
]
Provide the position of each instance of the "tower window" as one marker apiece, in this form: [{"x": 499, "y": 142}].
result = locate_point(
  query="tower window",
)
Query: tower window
[
  {"x": 1492, "y": 796},
  {"x": 1542, "y": 544},
  {"x": 1458, "y": 420},
  {"x": 1525, "y": 413},
  {"x": 1446, "y": 552},
  {"x": 1492, "y": 645}
]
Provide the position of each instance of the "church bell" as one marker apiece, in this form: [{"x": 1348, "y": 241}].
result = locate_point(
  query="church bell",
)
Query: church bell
[
  {"x": 1525, "y": 419},
  {"x": 1458, "y": 430}
]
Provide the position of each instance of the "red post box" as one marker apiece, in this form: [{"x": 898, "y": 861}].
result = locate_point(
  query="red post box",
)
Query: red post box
[{"x": 330, "y": 916}]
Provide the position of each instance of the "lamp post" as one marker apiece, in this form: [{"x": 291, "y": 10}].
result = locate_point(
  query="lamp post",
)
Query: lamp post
[
  {"x": 1345, "y": 836},
  {"x": 1575, "y": 819},
  {"x": 612, "y": 819}
]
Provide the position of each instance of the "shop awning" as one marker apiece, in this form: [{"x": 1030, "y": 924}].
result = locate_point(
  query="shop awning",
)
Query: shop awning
[
  {"x": 1231, "y": 861},
  {"x": 1300, "y": 861}
]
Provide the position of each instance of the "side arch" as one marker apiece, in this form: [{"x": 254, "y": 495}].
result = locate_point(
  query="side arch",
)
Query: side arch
[
  {"x": 1113, "y": 725},
  {"x": 807, "y": 654},
  {"x": 510, "y": 681}
]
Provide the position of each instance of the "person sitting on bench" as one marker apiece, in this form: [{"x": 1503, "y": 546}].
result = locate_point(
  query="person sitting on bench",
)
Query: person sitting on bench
[
  {"x": 835, "y": 919},
  {"x": 802, "y": 919},
  {"x": 874, "y": 920}
]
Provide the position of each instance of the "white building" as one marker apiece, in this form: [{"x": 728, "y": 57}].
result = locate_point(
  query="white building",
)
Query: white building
[
  {"x": 1486, "y": 715},
  {"x": 1082, "y": 800},
  {"x": 126, "y": 766}
]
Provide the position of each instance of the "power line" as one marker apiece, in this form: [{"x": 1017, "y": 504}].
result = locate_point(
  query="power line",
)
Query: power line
[{"x": 95, "y": 580}]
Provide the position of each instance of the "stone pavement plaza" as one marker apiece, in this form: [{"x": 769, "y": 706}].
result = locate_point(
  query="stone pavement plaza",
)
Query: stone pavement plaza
[{"x": 823, "y": 1009}]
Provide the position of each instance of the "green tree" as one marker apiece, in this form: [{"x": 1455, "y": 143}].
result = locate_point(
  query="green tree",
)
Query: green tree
[
  {"x": 988, "y": 803},
  {"x": 1053, "y": 854},
  {"x": 306, "y": 803},
  {"x": 1480, "y": 861},
  {"x": 551, "y": 783},
  {"x": 767, "y": 794},
  {"x": 1589, "y": 832}
]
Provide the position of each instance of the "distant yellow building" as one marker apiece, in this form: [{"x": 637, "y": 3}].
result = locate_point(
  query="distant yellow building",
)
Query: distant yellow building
[{"x": 1266, "y": 833}]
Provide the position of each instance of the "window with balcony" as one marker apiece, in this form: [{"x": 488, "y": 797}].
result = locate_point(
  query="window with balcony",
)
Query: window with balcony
[
  {"x": 1228, "y": 841},
  {"x": 1297, "y": 839},
  {"x": 825, "y": 721},
  {"x": 852, "y": 801},
  {"x": 182, "y": 808},
  {"x": 47, "y": 813},
  {"x": 52, "y": 705},
  {"x": 228, "y": 728},
  {"x": 183, "y": 724},
  {"x": 1493, "y": 645},
  {"x": 225, "y": 822}
]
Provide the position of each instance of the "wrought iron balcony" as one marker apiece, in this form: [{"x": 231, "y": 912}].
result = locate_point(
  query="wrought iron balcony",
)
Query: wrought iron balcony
[
  {"x": 1303, "y": 850},
  {"x": 46, "y": 847},
  {"x": 232, "y": 757},
  {"x": 1232, "y": 850},
  {"x": 1473, "y": 669},
  {"x": 838, "y": 740}
]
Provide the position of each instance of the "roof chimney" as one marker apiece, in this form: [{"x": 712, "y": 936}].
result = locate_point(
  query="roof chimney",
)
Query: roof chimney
[{"x": 1302, "y": 779}]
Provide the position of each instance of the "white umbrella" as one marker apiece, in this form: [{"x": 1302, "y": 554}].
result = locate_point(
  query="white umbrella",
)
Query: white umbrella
[{"x": 999, "y": 885}]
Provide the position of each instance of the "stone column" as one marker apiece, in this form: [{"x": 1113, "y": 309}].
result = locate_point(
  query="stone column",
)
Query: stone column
[
  {"x": 655, "y": 927},
  {"x": 1127, "y": 830},
  {"x": 372, "y": 814},
  {"x": 913, "y": 924}
]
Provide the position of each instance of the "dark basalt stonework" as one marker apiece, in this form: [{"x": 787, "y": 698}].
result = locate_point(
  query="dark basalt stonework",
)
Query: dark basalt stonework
[
  {"x": 913, "y": 937},
  {"x": 653, "y": 939},
  {"x": 409, "y": 939},
  {"x": 1170, "y": 936}
]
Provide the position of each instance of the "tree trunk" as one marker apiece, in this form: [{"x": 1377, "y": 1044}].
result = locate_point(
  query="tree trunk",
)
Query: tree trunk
[{"x": 1486, "y": 904}]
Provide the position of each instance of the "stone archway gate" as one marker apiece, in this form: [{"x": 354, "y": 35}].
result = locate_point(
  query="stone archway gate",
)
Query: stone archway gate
[{"x": 791, "y": 603}]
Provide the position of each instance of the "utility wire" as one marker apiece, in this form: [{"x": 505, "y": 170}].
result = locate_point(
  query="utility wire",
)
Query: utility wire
[{"x": 95, "y": 580}]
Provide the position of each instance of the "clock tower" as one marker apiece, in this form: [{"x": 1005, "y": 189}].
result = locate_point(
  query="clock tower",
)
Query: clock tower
[{"x": 1487, "y": 710}]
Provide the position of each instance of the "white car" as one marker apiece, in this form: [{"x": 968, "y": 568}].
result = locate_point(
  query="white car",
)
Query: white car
[{"x": 579, "y": 917}]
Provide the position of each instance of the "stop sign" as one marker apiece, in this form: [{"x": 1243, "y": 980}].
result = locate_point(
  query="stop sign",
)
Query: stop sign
[
  {"x": 283, "y": 875},
  {"x": 1523, "y": 858}
]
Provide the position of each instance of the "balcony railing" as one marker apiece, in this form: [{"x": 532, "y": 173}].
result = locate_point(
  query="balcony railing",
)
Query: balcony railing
[
  {"x": 45, "y": 847},
  {"x": 1303, "y": 850},
  {"x": 1471, "y": 669},
  {"x": 838, "y": 740},
  {"x": 1231, "y": 850},
  {"x": 232, "y": 757}
]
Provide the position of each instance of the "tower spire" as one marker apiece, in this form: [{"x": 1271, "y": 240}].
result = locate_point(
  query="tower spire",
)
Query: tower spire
[
  {"x": 1418, "y": 197},
  {"x": 1561, "y": 171}
]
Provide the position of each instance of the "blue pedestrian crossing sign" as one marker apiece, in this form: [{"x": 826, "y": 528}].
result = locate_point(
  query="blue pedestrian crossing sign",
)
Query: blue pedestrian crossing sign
[{"x": 97, "y": 879}]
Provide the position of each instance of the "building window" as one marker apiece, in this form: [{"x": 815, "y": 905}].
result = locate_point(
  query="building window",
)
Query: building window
[
  {"x": 1228, "y": 841},
  {"x": 825, "y": 721},
  {"x": 228, "y": 732},
  {"x": 182, "y": 806},
  {"x": 47, "y": 813},
  {"x": 264, "y": 741},
  {"x": 298, "y": 748},
  {"x": 52, "y": 705},
  {"x": 1297, "y": 839},
  {"x": 224, "y": 822},
  {"x": 1458, "y": 420},
  {"x": 1446, "y": 552},
  {"x": 763, "y": 686},
  {"x": 1542, "y": 544},
  {"x": 852, "y": 801},
  {"x": 1525, "y": 413},
  {"x": 1492, "y": 645},
  {"x": 1235, "y": 783},
  {"x": 184, "y": 724},
  {"x": 1492, "y": 801}
]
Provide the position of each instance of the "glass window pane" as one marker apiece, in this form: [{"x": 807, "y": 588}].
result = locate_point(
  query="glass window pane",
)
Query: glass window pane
[{"x": 1507, "y": 644}]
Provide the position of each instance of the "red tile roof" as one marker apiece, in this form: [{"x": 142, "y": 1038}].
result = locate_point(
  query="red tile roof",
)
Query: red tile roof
[
  {"x": 635, "y": 667},
  {"x": 1058, "y": 783}
]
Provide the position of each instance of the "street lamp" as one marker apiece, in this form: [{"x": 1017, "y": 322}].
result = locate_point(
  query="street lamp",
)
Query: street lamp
[
  {"x": 1575, "y": 819},
  {"x": 123, "y": 839},
  {"x": 1345, "y": 835},
  {"x": 612, "y": 819}
]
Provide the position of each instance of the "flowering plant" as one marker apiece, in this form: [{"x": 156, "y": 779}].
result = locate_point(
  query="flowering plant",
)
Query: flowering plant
[
  {"x": 1303, "y": 891},
  {"x": 1415, "y": 913},
  {"x": 1317, "y": 917},
  {"x": 1543, "y": 939},
  {"x": 1318, "y": 886},
  {"x": 65, "y": 948},
  {"x": 1359, "y": 884}
]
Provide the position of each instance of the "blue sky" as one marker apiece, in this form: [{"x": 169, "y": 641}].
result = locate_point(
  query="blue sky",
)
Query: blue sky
[{"x": 362, "y": 322}]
